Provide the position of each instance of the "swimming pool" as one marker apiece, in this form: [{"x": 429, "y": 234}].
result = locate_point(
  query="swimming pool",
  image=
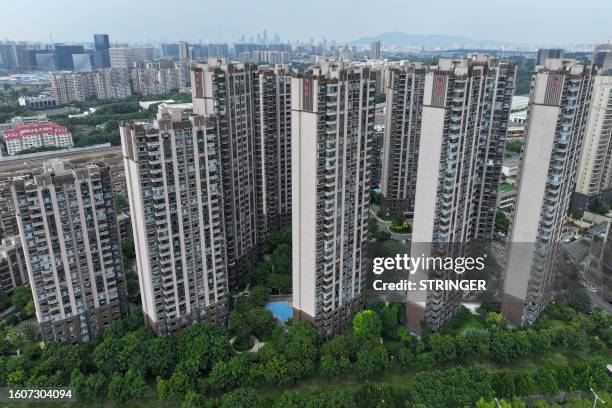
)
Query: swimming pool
[{"x": 282, "y": 311}]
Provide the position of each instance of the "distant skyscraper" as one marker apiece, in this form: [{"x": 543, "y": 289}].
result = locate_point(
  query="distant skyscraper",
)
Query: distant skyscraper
[
  {"x": 405, "y": 89},
  {"x": 46, "y": 62},
  {"x": 63, "y": 55},
  {"x": 170, "y": 50},
  {"x": 558, "y": 111},
  {"x": 218, "y": 51},
  {"x": 464, "y": 120},
  {"x": 72, "y": 250},
  {"x": 8, "y": 57},
  {"x": 82, "y": 62},
  {"x": 184, "y": 50},
  {"x": 332, "y": 130},
  {"x": 173, "y": 171},
  {"x": 375, "y": 50},
  {"x": 602, "y": 57},
  {"x": 101, "y": 54},
  {"x": 544, "y": 53}
]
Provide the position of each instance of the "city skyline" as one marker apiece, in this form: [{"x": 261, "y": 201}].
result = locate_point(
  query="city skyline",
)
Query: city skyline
[{"x": 541, "y": 24}]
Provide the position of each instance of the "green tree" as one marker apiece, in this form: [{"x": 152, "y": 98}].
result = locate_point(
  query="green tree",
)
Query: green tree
[
  {"x": 367, "y": 324},
  {"x": 118, "y": 390},
  {"x": 443, "y": 347},
  {"x": 329, "y": 366},
  {"x": 389, "y": 318},
  {"x": 371, "y": 361},
  {"x": 241, "y": 398},
  {"x": 21, "y": 296}
]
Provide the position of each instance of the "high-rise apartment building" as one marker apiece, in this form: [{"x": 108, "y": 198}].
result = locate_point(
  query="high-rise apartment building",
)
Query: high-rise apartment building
[
  {"x": 556, "y": 123},
  {"x": 112, "y": 83},
  {"x": 173, "y": 171},
  {"x": 464, "y": 120},
  {"x": 595, "y": 166},
  {"x": 71, "y": 244},
  {"x": 109, "y": 83},
  {"x": 153, "y": 78},
  {"x": 332, "y": 130},
  {"x": 13, "y": 271},
  {"x": 405, "y": 90},
  {"x": 273, "y": 119},
  {"x": 229, "y": 92},
  {"x": 76, "y": 86}
]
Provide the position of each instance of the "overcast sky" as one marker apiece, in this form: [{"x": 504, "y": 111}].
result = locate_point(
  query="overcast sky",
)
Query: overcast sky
[{"x": 517, "y": 21}]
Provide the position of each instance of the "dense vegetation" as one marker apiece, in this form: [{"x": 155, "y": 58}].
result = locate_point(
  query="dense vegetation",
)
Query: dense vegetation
[
  {"x": 274, "y": 272},
  {"x": 473, "y": 357}
]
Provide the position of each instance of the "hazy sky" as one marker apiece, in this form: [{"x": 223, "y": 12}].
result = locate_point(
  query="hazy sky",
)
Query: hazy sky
[{"x": 518, "y": 21}]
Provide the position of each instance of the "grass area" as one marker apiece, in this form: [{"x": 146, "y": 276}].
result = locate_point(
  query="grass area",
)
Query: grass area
[{"x": 506, "y": 187}]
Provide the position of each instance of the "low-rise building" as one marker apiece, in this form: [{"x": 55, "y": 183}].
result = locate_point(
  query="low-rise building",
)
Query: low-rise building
[
  {"x": 37, "y": 135},
  {"x": 40, "y": 101}
]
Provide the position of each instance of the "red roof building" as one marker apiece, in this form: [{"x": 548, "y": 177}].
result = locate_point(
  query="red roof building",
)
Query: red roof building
[{"x": 36, "y": 135}]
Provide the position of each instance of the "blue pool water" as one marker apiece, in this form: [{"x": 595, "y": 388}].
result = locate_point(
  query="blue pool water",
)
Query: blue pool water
[{"x": 282, "y": 311}]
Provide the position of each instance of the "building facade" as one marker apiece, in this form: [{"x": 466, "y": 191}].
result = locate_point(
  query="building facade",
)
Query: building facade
[
  {"x": 77, "y": 86},
  {"x": 112, "y": 83},
  {"x": 124, "y": 57},
  {"x": 13, "y": 271},
  {"x": 82, "y": 62},
  {"x": 40, "y": 101},
  {"x": 153, "y": 78},
  {"x": 71, "y": 245},
  {"x": 595, "y": 166},
  {"x": 174, "y": 185},
  {"x": 273, "y": 122},
  {"x": 466, "y": 107},
  {"x": 405, "y": 89},
  {"x": 101, "y": 56},
  {"x": 332, "y": 131},
  {"x": 229, "y": 92},
  {"x": 36, "y": 135},
  {"x": 556, "y": 124}
]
